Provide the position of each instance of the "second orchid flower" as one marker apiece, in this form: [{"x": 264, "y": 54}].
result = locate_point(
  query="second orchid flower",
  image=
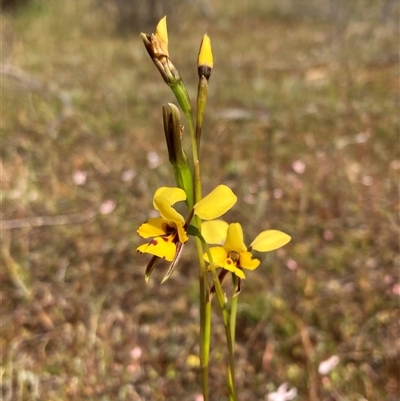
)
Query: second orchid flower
[{"x": 169, "y": 231}]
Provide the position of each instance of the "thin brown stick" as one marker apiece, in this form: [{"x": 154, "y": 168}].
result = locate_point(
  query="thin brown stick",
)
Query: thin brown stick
[
  {"x": 48, "y": 220},
  {"x": 310, "y": 352}
]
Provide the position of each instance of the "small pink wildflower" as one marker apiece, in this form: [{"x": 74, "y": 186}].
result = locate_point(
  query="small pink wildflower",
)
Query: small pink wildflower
[
  {"x": 326, "y": 366},
  {"x": 283, "y": 394},
  {"x": 299, "y": 166},
  {"x": 107, "y": 206},
  {"x": 79, "y": 177}
]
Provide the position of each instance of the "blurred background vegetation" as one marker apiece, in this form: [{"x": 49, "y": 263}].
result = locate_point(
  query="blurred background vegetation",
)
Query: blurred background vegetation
[{"x": 302, "y": 123}]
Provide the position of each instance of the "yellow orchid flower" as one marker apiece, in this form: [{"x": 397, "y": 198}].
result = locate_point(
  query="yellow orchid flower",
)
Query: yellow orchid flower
[
  {"x": 169, "y": 231},
  {"x": 233, "y": 255}
]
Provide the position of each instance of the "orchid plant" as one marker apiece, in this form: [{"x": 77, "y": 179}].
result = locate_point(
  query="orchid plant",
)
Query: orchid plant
[{"x": 168, "y": 233}]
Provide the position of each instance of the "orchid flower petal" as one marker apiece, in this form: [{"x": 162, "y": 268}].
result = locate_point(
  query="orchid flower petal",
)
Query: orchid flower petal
[
  {"x": 163, "y": 247},
  {"x": 171, "y": 194},
  {"x": 153, "y": 228},
  {"x": 234, "y": 238},
  {"x": 183, "y": 237},
  {"x": 218, "y": 254},
  {"x": 214, "y": 231},
  {"x": 167, "y": 211},
  {"x": 247, "y": 261},
  {"x": 270, "y": 240},
  {"x": 231, "y": 266},
  {"x": 216, "y": 203}
]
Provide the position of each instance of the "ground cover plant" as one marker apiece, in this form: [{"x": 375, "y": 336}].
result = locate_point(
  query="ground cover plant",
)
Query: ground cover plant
[{"x": 302, "y": 125}]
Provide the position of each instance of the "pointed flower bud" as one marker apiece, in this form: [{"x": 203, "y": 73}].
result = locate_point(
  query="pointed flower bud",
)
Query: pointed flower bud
[
  {"x": 173, "y": 134},
  {"x": 205, "y": 61},
  {"x": 177, "y": 157},
  {"x": 162, "y": 35},
  {"x": 157, "y": 47}
]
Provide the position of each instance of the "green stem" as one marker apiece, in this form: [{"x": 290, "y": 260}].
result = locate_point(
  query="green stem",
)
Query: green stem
[
  {"x": 205, "y": 322},
  {"x": 205, "y": 303},
  {"x": 234, "y": 303},
  {"x": 196, "y": 161},
  {"x": 202, "y": 93},
  {"x": 227, "y": 324}
]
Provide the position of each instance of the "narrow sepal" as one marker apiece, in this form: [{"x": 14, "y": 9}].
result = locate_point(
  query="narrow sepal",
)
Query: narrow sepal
[
  {"x": 150, "y": 267},
  {"x": 171, "y": 268},
  {"x": 238, "y": 288},
  {"x": 221, "y": 277}
]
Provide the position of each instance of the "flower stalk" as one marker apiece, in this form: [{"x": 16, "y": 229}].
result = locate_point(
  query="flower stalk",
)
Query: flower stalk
[{"x": 167, "y": 234}]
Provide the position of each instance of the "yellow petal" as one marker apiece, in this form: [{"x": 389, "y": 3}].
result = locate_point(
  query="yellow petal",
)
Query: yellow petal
[
  {"x": 162, "y": 34},
  {"x": 270, "y": 240},
  {"x": 205, "y": 54},
  {"x": 218, "y": 254},
  {"x": 214, "y": 232},
  {"x": 172, "y": 195},
  {"x": 216, "y": 203},
  {"x": 230, "y": 265},
  {"x": 163, "y": 247},
  {"x": 220, "y": 259},
  {"x": 167, "y": 211},
  {"x": 182, "y": 235},
  {"x": 153, "y": 228},
  {"x": 247, "y": 261},
  {"x": 234, "y": 239}
]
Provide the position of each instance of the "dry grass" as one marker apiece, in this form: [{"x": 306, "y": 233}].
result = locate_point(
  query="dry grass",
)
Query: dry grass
[{"x": 302, "y": 124}]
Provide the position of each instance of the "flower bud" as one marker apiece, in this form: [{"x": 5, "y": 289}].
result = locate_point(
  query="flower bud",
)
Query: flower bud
[
  {"x": 177, "y": 157},
  {"x": 205, "y": 61},
  {"x": 157, "y": 47}
]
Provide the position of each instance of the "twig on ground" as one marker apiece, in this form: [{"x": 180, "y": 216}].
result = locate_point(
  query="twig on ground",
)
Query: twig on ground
[{"x": 48, "y": 220}]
